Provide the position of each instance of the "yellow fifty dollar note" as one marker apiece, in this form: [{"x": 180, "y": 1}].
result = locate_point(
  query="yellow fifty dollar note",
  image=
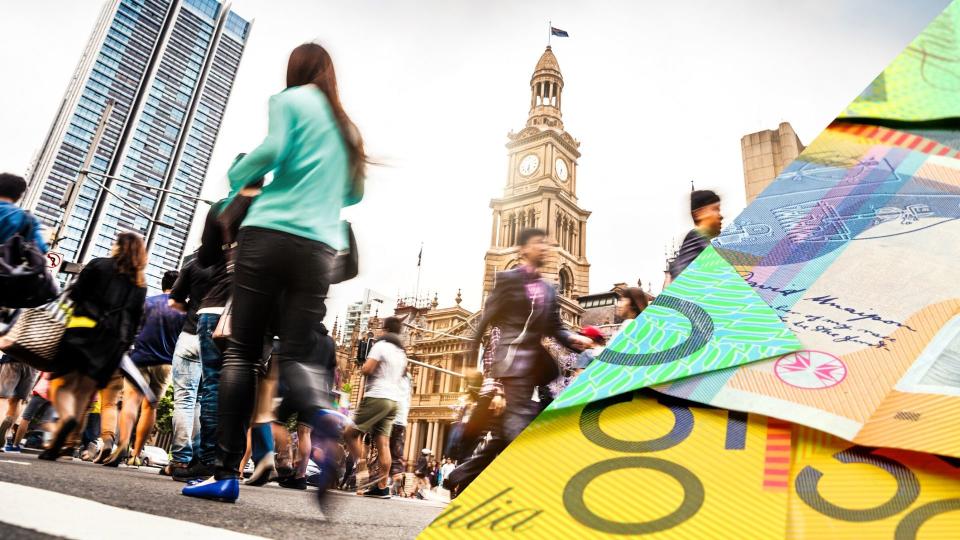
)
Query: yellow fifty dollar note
[
  {"x": 630, "y": 466},
  {"x": 842, "y": 491}
]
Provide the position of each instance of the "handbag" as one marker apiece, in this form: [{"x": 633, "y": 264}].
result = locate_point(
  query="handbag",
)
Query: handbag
[
  {"x": 346, "y": 263},
  {"x": 221, "y": 334},
  {"x": 25, "y": 281},
  {"x": 35, "y": 335}
]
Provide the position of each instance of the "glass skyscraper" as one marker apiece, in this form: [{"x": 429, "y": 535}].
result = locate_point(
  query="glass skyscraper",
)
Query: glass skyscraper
[{"x": 168, "y": 67}]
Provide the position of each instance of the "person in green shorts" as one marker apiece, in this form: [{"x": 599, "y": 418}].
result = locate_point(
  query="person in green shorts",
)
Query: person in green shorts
[{"x": 384, "y": 367}]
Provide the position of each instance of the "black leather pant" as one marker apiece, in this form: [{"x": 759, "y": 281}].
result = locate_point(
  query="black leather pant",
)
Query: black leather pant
[{"x": 280, "y": 284}]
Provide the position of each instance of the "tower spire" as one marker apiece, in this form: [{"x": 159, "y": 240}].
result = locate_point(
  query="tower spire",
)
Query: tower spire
[{"x": 546, "y": 86}]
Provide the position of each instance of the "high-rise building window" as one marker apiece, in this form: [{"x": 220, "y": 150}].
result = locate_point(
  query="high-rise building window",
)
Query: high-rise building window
[{"x": 179, "y": 38}]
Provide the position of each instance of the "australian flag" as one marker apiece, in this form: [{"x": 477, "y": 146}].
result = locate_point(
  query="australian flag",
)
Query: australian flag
[{"x": 558, "y": 32}]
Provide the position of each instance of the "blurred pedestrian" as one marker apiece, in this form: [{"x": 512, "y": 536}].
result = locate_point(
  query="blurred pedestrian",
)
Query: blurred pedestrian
[
  {"x": 363, "y": 347},
  {"x": 445, "y": 470},
  {"x": 422, "y": 473},
  {"x": 384, "y": 368},
  {"x": 630, "y": 305},
  {"x": 185, "y": 296},
  {"x": 16, "y": 384},
  {"x": 108, "y": 298},
  {"x": 433, "y": 474},
  {"x": 321, "y": 364},
  {"x": 586, "y": 357},
  {"x": 398, "y": 465},
  {"x": 38, "y": 411},
  {"x": 287, "y": 244},
  {"x": 707, "y": 221},
  {"x": 521, "y": 310},
  {"x": 152, "y": 353},
  {"x": 13, "y": 218},
  {"x": 211, "y": 256}
]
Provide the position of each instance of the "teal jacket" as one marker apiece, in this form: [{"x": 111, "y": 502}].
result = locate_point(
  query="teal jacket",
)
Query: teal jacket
[{"x": 311, "y": 170}]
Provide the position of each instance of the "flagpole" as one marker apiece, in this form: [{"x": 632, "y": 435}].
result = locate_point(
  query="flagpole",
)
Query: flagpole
[
  {"x": 549, "y": 32},
  {"x": 416, "y": 293}
]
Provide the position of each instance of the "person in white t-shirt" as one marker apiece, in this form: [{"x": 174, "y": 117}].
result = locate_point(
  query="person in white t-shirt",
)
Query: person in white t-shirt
[{"x": 384, "y": 368}]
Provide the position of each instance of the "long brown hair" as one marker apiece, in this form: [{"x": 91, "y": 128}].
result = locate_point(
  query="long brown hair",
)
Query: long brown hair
[
  {"x": 310, "y": 63},
  {"x": 131, "y": 257}
]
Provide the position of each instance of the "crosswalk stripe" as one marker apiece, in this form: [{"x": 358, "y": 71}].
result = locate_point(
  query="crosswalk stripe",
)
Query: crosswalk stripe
[{"x": 72, "y": 517}]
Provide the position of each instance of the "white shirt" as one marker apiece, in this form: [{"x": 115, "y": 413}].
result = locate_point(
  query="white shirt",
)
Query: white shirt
[
  {"x": 403, "y": 404},
  {"x": 384, "y": 382}
]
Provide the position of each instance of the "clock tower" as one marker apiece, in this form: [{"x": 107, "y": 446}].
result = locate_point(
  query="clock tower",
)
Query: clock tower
[{"x": 541, "y": 192}]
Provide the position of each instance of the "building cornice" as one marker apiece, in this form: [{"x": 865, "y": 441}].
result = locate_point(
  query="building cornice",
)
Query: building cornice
[{"x": 531, "y": 134}]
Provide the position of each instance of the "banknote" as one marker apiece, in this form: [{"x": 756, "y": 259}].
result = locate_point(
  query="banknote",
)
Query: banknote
[
  {"x": 854, "y": 247},
  {"x": 843, "y": 491},
  {"x": 634, "y": 465},
  {"x": 708, "y": 319},
  {"x": 923, "y": 82}
]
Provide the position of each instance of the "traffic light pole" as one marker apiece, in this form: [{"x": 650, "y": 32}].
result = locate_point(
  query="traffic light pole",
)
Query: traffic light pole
[
  {"x": 147, "y": 186},
  {"x": 73, "y": 191}
]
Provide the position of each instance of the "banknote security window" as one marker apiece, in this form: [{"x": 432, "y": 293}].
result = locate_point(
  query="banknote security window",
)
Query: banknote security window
[{"x": 937, "y": 369}]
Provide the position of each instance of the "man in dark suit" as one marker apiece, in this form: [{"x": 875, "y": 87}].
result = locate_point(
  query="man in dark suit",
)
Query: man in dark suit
[
  {"x": 521, "y": 310},
  {"x": 363, "y": 347}
]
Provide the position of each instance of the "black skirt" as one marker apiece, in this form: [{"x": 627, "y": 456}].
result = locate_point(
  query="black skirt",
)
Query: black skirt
[{"x": 94, "y": 352}]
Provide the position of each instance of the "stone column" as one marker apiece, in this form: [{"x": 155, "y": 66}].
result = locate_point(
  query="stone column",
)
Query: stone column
[
  {"x": 444, "y": 378},
  {"x": 409, "y": 439},
  {"x": 422, "y": 380},
  {"x": 441, "y": 439},
  {"x": 545, "y": 216},
  {"x": 433, "y": 437},
  {"x": 583, "y": 239},
  {"x": 415, "y": 441},
  {"x": 427, "y": 442},
  {"x": 493, "y": 229}
]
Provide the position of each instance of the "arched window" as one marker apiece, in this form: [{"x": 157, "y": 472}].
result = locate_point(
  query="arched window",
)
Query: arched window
[
  {"x": 566, "y": 282},
  {"x": 513, "y": 229},
  {"x": 532, "y": 218}
]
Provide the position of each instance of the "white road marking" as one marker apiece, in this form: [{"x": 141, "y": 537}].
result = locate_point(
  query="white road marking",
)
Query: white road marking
[
  {"x": 81, "y": 519},
  {"x": 14, "y": 462}
]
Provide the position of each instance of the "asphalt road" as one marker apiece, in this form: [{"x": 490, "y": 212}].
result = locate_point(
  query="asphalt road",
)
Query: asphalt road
[{"x": 268, "y": 511}]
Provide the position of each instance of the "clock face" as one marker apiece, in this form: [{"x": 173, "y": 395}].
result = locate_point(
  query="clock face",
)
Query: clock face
[
  {"x": 561, "y": 168},
  {"x": 529, "y": 164}
]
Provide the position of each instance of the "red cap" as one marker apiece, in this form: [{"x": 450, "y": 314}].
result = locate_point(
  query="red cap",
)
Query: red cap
[{"x": 591, "y": 332}]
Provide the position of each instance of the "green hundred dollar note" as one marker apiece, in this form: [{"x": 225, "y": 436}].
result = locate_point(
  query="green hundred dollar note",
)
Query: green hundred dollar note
[{"x": 923, "y": 82}]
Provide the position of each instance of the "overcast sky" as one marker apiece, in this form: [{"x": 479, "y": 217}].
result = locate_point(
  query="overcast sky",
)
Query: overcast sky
[{"x": 658, "y": 93}]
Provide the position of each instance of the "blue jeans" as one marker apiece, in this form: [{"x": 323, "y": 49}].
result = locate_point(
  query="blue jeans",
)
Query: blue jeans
[
  {"x": 212, "y": 360},
  {"x": 186, "y": 384}
]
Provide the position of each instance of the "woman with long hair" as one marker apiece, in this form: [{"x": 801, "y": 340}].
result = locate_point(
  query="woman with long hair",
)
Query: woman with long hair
[
  {"x": 108, "y": 298},
  {"x": 287, "y": 244}
]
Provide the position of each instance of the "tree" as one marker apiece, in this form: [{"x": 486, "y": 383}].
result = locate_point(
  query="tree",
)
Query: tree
[{"x": 165, "y": 411}]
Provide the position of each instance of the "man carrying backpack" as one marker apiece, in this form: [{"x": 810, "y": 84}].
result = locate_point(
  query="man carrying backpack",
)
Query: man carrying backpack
[
  {"x": 13, "y": 219},
  {"x": 16, "y": 379}
]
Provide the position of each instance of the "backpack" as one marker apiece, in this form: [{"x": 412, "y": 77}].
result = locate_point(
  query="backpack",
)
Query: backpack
[{"x": 25, "y": 281}]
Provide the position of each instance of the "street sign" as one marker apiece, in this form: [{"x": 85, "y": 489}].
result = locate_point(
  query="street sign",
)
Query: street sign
[{"x": 54, "y": 261}]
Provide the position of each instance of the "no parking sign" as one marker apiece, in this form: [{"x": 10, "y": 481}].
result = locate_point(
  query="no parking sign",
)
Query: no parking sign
[{"x": 54, "y": 261}]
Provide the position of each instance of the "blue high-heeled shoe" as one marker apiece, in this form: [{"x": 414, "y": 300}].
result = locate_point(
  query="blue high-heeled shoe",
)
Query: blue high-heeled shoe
[{"x": 226, "y": 490}]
